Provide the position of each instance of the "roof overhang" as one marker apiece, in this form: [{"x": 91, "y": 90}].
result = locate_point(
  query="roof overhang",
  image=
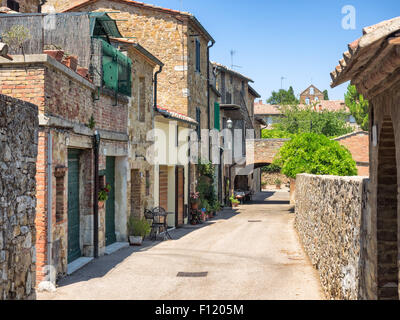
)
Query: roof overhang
[
  {"x": 219, "y": 66},
  {"x": 169, "y": 114},
  {"x": 229, "y": 107},
  {"x": 371, "y": 61},
  {"x": 254, "y": 92}
]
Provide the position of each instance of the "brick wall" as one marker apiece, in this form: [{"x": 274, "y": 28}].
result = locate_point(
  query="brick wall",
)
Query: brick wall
[{"x": 358, "y": 145}]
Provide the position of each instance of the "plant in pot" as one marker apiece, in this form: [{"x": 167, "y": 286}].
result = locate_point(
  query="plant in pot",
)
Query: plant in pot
[
  {"x": 103, "y": 195},
  {"x": 54, "y": 51},
  {"x": 138, "y": 229},
  {"x": 278, "y": 183},
  {"x": 194, "y": 200},
  {"x": 234, "y": 201},
  {"x": 71, "y": 61},
  {"x": 16, "y": 37}
]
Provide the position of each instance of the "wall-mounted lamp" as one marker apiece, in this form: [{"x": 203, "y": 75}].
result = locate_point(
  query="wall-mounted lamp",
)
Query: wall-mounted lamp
[{"x": 229, "y": 123}]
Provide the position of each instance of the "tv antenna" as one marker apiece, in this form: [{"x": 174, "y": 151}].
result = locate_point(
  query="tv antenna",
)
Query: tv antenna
[
  {"x": 233, "y": 52},
  {"x": 282, "y": 78}
]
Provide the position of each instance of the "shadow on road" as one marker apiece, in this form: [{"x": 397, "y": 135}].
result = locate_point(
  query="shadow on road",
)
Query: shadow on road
[{"x": 98, "y": 268}]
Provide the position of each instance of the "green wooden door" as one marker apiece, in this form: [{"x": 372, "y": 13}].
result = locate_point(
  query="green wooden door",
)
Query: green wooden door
[
  {"x": 74, "y": 251},
  {"x": 110, "y": 204}
]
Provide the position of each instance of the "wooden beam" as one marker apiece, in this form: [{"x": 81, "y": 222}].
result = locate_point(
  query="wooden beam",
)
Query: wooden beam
[{"x": 394, "y": 41}]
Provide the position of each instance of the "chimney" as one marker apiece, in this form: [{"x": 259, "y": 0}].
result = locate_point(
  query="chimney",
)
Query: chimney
[{"x": 260, "y": 102}]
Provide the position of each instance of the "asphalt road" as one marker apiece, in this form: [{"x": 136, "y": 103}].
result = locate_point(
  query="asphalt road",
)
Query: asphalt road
[{"x": 250, "y": 253}]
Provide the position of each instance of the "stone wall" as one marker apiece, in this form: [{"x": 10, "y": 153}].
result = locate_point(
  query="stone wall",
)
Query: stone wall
[
  {"x": 329, "y": 220},
  {"x": 18, "y": 151}
]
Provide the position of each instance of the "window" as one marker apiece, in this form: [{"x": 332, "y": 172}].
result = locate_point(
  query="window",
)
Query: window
[
  {"x": 147, "y": 182},
  {"x": 217, "y": 124},
  {"x": 198, "y": 52},
  {"x": 198, "y": 119},
  {"x": 316, "y": 99},
  {"x": 307, "y": 101},
  {"x": 13, "y": 5},
  {"x": 142, "y": 99},
  {"x": 59, "y": 198},
  {"x": 311, "y": 91}
]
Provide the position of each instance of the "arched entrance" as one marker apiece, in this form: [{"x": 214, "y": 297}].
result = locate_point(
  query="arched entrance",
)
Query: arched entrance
[{"x": 388, "y": 270}]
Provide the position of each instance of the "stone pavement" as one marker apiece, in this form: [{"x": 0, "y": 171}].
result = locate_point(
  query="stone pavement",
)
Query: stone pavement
[{"x": 249, "y": 253}]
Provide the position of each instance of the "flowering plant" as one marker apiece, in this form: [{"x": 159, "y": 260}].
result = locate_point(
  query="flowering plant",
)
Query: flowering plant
[
  {"x": 194, "y": 196},
  {"x": 103, "y": 193}
]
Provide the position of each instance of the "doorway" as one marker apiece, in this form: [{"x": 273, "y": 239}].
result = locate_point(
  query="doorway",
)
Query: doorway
[{"x": 388, "y": 270}]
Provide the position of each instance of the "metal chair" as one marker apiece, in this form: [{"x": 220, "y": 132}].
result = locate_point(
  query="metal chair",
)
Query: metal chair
[
  {"x": 160, "y": 218},
  {"x": 149, "y": 215}
]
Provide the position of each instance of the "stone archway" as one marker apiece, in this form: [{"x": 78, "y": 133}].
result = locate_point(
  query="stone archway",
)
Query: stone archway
[{"x": 387, "y": 227}]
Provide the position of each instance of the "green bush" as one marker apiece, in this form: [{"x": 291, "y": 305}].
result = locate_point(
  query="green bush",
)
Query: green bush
[
  {"x": 138, "y": 227},
  {"x": 272, "y": 168},
  {"x": 315, "y": 154},
  {"x": 275, "y": 134}
]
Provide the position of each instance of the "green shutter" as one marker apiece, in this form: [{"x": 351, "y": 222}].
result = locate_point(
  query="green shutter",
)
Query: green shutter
[
  {"x": 217, "y": 122},
  {"x": 116, "y": 70}
]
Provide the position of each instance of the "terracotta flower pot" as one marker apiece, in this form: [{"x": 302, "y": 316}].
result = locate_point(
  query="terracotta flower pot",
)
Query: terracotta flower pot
[
  {"x": 195, "y": 205},
  {"x": 83, "y": 71},
  {"x": 101, "y": 204},
  {"x": 71, "y": 62},
  {"x": 56, "y": 54}
]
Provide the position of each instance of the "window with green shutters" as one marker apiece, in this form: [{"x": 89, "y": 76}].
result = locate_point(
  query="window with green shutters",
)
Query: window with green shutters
[
  {"x": 217, "y": 122},
  {"x": 116, "y": 70}
]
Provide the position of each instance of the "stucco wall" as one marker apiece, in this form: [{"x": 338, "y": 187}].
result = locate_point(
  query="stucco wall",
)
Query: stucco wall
[
  {"x": 329, "y": 220},
  {"x": 18, "y": 152}
]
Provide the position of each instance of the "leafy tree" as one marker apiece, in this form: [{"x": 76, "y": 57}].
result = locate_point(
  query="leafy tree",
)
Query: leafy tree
[
  {"x": 359, "y": 107},
  {"x": 283, "y": 97},
  {"x": 275, "y": 134},
  {"x": 315, "y": 154},
  {"x": 297, "y": 120},
  {"x": 326, "y": 96}
]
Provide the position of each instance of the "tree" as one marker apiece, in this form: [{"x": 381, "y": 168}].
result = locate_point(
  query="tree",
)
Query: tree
[
  {"x": 359, "y": 107},
  {"x": 283, "y": 97},
  {"x": 297, "y": 120},
  {"x": 326, "y": 96},
  {"x": 315, "y": 154}
]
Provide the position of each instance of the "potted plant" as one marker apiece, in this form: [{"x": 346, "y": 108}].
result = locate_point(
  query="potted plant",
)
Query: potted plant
[
  {"x": 103, "y": 195},
  {"x": 54, "y": 52},
  {"x": 16, "y": 37},
  {"x": 71, "y": 61},
  {"x": 278, "y": 183},
  {"x": 235, "y": 202},
  {"x": 138, "y": 229},
  {"x": 194, "y": 200}
]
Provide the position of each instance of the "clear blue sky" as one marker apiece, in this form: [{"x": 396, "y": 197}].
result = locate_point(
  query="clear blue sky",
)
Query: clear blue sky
[{"x": 301, "y": 40}]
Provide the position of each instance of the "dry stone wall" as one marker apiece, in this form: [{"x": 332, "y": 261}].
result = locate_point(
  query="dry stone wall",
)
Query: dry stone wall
[
  {"x": 18, "y": 152},
  {"x": 329, "y": 219}
]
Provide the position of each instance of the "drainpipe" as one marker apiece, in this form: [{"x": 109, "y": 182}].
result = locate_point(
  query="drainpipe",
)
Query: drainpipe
[
  {"x": 155, "y": 86},
  {"x": 208, "y": 82},
  {"x": 96, "y": 144},
  {"x": 49, "y": 202}
]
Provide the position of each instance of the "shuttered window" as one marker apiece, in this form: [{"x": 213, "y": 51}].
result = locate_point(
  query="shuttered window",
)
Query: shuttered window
[
  {"x": 198, "y": 51},
  {"x": 116, "y": 70},
  {"x": 217, "y": 122},
  {"x": 198, "y": 119}
]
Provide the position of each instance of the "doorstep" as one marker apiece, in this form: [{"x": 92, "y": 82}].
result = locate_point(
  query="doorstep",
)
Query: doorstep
[
  {"x": 112, "y": 248},
  {"x": 78, "y": 264}
]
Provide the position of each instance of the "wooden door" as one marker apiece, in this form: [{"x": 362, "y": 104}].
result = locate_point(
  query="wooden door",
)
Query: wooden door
[
  {"x": 110, "y": 203},
  {"x": 180, "y": 196},
  {"x": 163, "y": 186}
]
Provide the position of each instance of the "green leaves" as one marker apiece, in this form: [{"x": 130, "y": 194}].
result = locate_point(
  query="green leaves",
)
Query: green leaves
[
  {"x": 359, "y": 107},
  {"x": 283, "y": 97},
  {"x": 315, "y": 154},
  {"x": 298, "y": 120}
]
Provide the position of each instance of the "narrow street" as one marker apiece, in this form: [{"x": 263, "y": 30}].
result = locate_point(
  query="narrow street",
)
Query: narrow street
[{"x": 250, "y": 253}]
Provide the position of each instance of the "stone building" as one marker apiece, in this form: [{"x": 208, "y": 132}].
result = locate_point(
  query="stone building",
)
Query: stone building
[
  {"x": 311, "y": 95},
  {"x": 372, "y": 63},
  {"x": 141, "y": 120},
  {"x": 237, "y": 108},
  {"x": 18, "y": 151},
  {"x": 80, "y": 114},
  {"x": 27, "y": 6},
  {"x": 180, "y": 41}
]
